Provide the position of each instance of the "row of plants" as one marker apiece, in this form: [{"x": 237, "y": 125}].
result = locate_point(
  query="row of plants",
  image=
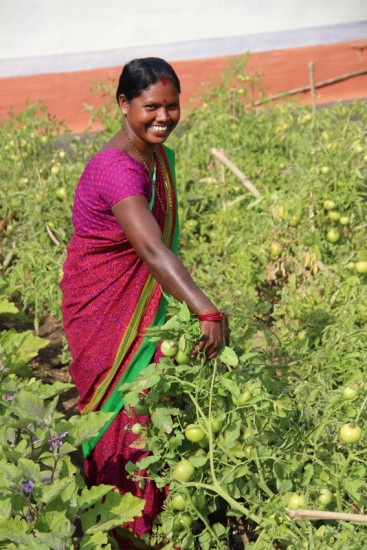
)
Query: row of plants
[
  {"x": 282, "y": 423},
  {"x": 44, "y": 502}
]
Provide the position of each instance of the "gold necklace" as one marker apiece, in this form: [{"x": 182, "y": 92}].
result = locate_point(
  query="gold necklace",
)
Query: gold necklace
[{"x": 146, "y": 166}]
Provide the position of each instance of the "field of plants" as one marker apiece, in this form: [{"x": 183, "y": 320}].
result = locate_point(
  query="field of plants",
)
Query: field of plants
[{"x": 263, "y": 448}]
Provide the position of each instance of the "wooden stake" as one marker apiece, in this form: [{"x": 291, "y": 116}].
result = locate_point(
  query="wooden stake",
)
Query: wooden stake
[
  {"x": 237, "y": 172},
  {"x": 316, "y": 514},
  {"x": 311, "y": 69}
]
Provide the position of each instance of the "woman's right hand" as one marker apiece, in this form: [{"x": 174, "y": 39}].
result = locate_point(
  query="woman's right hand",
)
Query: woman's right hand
[{"x": 212, "y": 340}]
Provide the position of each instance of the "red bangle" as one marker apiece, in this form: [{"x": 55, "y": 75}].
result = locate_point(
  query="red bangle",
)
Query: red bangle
[{"x": 215, "y": 316}]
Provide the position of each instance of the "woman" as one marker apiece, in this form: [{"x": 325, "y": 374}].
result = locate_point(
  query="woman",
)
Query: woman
[{"x": 120, "y": 258}]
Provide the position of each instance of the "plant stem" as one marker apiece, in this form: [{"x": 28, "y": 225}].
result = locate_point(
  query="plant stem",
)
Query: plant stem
[
  {"x": 202, "y": 518},
  {"x": 361, "y": 409},
  {"x": 216, "y": 488},
  {"x": 338, "y": 485}
]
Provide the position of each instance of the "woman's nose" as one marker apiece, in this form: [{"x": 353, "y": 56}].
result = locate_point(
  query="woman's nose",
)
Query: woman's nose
[{"x": 162, "y": 114}]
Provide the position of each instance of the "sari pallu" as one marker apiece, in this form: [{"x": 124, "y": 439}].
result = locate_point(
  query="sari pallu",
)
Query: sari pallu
[{"x": 109, "y": 297}]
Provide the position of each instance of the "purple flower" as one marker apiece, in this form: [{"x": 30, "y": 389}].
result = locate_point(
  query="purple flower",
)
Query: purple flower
[
  {"x": 56, "y": 441},
  {"x": 28, "y": 486},
  {"x": 8, "y": 397}
]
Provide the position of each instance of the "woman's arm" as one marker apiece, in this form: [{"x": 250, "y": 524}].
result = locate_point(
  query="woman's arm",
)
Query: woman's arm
[{"x": 144, "y": 234}]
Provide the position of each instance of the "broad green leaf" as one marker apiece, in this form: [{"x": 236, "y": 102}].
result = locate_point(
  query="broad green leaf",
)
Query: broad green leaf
[
  {"x": 14, "y": 530},
  {"x": 184, "y": 313},
  {"x": 88, "y": 426},
  {"x": 47, "y": 391},
  {"x": 95, "y": 542},
  {"x": 9, "y": 473},
  {"x": 30, "y": 469},
  {"x": 7, "y": 308},
  {"x": 5, "y": 506},
  {"x": 29, "y": 405},
  {"x": 228, "y": 357},
  {"x": 49, "y": 540},
  {"x": 53, "y": 519},
  {"x": 308, "y": 473},
  {"x": 115, "y": 510},
  {"x": 161, "y": 417},
  {"x": 50, "y": 492},
  {"x": 90, "y": 496}
]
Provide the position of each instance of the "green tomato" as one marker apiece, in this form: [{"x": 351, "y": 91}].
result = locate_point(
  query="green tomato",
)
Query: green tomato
[
  {"x": 204, "y": 443},
  {"x": 216, "y": 425},
  {"x": 178, "y": 502},
  {"x": 248, "y": 451},
  {"x": 169, "y": 348},
  {"x": 194, "y": 433},
  {"x": 137, "y": 428},
  {"x": 141, "y": 408},
  {"x": 183, "y": 471},
  {"x": 235, "y": 450},
  {"x": 349, "y": 393},
  {"x": 61, "y": 193},
  {"x": 333, "y": 235},
  {"x": 350, "y": 434},
  {"x": 344, "y": 220},
  {"x": 325, "y": 497},
  {"x": 334, "y": 215},
  {"x": 185, "y": 344},
  {"x": 248, "y": 434},
  {"x": 302, "y": 335},
  {"x": 361, "y": 267},
  {"x": 276, "y": 249},
  {"x": 184, "y": 521},
  {"x": 324, "y": 169},
  {"x": 242, "y": 398},
  {"x": 296, "y": 501},
  {"x": 293, "y": 221},
  {"x": 199, "y": 501},
  {"x": 329, "y": 205},
  {"x": 182, "y": 358},
  {"x": 55, "y": 170}
]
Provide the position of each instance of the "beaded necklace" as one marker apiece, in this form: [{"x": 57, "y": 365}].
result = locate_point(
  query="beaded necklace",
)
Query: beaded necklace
[{"x": 152, "y": 176}]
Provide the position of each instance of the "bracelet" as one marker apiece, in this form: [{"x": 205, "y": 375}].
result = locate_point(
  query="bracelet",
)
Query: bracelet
[{"x": 215, "y": 316}]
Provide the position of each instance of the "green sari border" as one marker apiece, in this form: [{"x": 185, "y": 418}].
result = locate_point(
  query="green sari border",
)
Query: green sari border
[{"x": 146, "y": 351}]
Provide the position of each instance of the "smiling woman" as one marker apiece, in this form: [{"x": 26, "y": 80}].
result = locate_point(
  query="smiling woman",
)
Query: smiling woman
[{"x": 120, "y": 258}]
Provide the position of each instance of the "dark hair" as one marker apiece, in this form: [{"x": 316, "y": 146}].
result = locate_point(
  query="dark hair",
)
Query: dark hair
[{"x": 139, "y": 74}]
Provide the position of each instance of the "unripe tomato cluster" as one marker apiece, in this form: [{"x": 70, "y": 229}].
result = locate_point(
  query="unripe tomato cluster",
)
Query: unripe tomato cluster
[
  {"x": 333, "y": 234},
  {"x": 179, "y": 351}
]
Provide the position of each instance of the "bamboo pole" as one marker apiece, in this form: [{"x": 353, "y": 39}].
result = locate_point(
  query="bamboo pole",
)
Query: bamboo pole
[
  {"x": 320, "y": 84},
  {"x": 237, "y": 172},
  {"x": 311, "y": 69},
  {"x": 317, "y": 514}
]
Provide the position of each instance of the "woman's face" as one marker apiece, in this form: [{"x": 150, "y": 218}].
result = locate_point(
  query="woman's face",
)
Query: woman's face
[{"x": 154, "y": 113}]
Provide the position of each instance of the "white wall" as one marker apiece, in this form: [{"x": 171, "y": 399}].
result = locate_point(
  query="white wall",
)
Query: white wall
[{"x": 47, "y": 35}]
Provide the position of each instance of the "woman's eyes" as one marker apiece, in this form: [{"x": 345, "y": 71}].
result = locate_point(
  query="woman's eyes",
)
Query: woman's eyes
[{"x": 154, "y": 107}]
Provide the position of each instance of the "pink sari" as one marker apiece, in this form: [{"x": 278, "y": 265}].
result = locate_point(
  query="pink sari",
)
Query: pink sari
[{"x": 109, "y": 297}]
